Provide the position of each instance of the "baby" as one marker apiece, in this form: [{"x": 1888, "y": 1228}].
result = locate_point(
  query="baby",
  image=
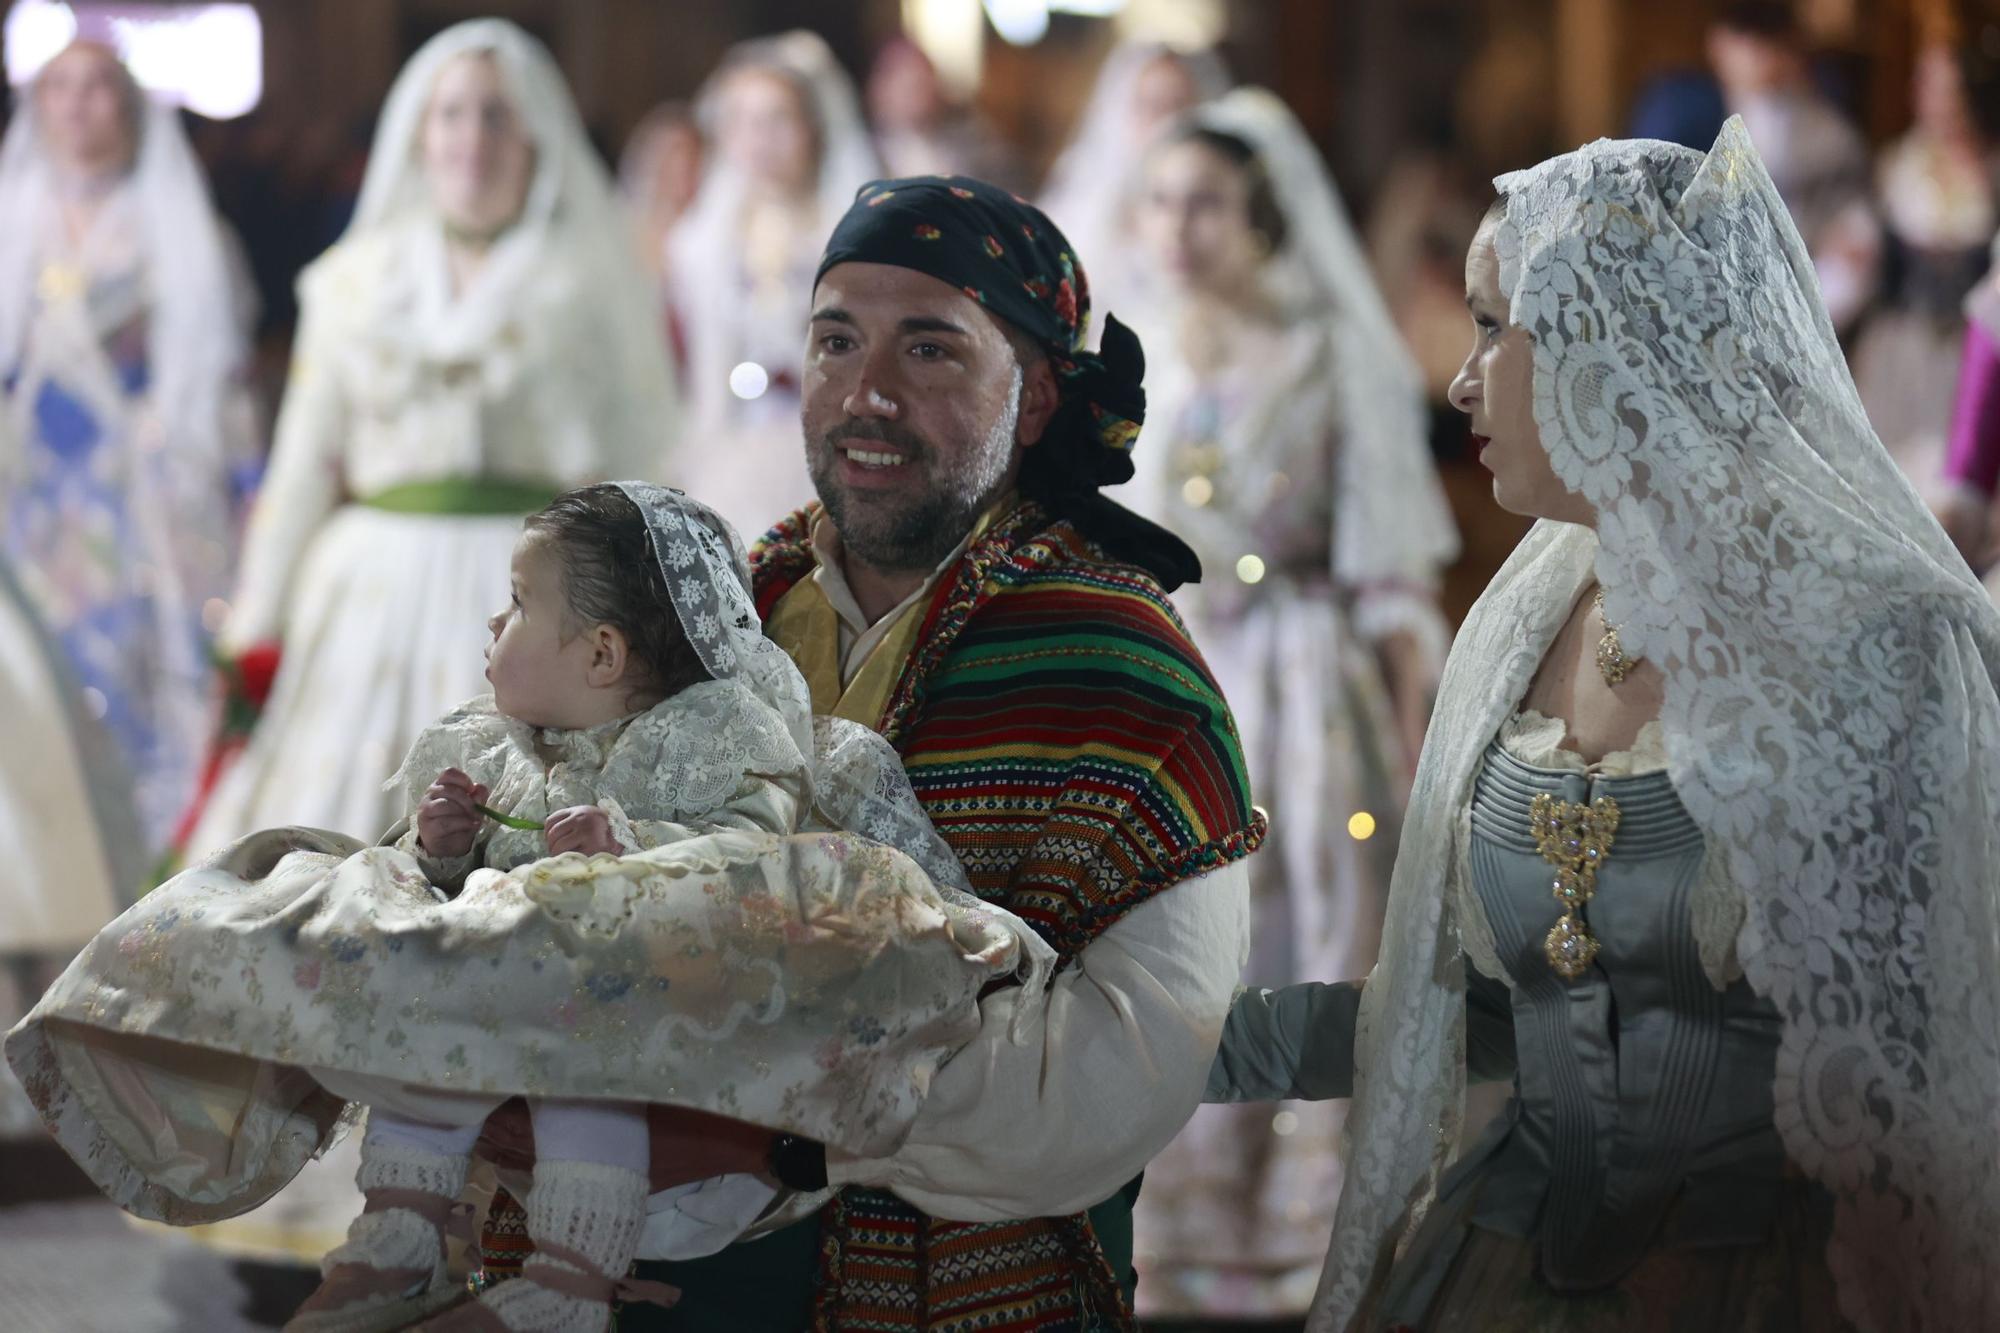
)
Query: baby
[
  {"x": 631, "y": 874},
  {"x": 590, "y": 654}
]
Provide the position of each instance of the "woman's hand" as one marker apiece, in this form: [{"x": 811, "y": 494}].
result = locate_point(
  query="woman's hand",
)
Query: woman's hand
[
  {"x": 580, "y": 828},
  {"x": 447, "y": 820}
]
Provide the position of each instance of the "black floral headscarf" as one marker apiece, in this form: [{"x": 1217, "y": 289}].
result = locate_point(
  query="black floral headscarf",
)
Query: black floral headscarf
[{"x": 1004, "y": 253}]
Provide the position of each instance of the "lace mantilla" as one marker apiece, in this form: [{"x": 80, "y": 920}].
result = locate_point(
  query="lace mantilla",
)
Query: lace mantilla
[{"x": 1830, "y": 714}]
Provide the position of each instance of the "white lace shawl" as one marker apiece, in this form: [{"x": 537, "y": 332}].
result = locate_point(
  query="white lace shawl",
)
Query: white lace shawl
[{"x": 1830, "y": 713}]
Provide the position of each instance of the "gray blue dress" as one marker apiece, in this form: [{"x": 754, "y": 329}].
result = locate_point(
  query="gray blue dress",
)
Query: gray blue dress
[{"x": 1635, "y": 1179}]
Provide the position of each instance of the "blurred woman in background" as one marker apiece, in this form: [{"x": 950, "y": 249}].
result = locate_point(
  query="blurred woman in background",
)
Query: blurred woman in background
[
  {"x": 1092, "y": 187},
  {"x": 123, "y": 343},
  {"x": 479, "y": 341},
  {"x": 1938, "y": 194},
  {"x": 919, "y": 130},
  {"x": 658, "y": 175},
  {"x": 66, "y": 824},
  {"x": 787, "y": 151},
  {"x": 1289, "y": 446}
]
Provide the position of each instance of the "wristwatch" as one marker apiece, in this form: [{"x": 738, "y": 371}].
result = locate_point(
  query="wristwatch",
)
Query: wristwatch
[{"x": 798, "y": 1164}]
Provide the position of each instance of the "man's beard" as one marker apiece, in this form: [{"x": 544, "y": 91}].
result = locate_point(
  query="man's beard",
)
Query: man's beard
[{"x": 898, "y": 533}]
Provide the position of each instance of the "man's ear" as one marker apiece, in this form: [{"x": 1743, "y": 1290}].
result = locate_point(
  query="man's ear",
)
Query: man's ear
[
  {"x": 1041, "y": 395},
  {"x": 610, "y": 655}
]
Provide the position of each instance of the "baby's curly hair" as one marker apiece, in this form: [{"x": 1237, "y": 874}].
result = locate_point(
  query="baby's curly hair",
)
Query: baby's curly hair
[{"x": 611, "y": 577}]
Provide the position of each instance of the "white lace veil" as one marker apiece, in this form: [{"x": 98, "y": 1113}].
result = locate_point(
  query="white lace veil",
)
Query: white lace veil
[
  {"x": 1089, "y": 181},
  {"x": 846, "y": 154},
  {"x": 197, "y": 338},
  {"x": 706, "y": 281},
  {"x": 570, "y": 241},
  {"x": 1320, "y": 272},
  {"x": 858, "y": 781},
  {"x": 1831, "y": 720}
]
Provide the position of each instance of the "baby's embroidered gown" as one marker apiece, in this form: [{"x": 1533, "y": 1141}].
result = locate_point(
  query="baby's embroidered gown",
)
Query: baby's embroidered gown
[{"x": 781, "y": 939}]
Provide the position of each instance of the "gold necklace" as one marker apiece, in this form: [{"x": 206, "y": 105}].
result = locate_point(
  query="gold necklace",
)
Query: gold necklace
[{"x": 1612, "y": 663}]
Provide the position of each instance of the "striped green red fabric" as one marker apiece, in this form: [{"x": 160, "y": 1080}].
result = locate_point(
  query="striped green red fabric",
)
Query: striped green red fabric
[
  {"x": 886, "y": 1268},
  {"x": 1058, "y": 725},
  {"x": 1070, "y": 745}
]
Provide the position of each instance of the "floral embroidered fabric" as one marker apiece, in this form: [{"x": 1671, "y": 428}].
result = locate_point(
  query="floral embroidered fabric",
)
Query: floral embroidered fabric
[{"x": 782, "y": 939}]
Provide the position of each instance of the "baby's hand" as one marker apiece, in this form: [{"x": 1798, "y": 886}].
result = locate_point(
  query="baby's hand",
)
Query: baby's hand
[
  {"x": 581, "y": 828},
  {"x": 447, "y": 823}
]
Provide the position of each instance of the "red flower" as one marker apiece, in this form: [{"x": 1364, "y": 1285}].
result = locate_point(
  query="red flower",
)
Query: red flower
[
  {"x": 1027, "y": 231},
  {"x": 1037, "y": 288},
  {"x": 975, "y": 294},
  {"x": 258, "y": 667},
  {"x": 1066, "y": 302},
  {"x": 993, "y": 247},
  {"x": 926, "y": 232}
]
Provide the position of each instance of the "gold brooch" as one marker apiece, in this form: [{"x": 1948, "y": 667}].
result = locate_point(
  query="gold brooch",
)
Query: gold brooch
[
  {"x": 1612, "y": 663},
  {"x": 1576, "y": 840}
]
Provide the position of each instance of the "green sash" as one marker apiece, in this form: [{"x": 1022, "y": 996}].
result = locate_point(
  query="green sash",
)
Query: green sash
[{"x": 467, "y": 496}]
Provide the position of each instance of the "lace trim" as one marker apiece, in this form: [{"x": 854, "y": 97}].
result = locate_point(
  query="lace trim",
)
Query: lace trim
[
  {"x": 390, "y": 1166},
  {"x": 1537, "y": 740}
]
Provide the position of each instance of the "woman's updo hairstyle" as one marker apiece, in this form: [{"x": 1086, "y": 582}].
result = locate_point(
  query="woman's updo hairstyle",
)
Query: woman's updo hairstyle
[{"x": 1267, "y": 219}]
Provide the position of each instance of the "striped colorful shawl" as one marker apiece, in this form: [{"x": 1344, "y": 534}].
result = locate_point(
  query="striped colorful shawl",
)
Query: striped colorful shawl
[
  {"x": 1058, "y": 725},
  {"x": 1071, "y": 747}
]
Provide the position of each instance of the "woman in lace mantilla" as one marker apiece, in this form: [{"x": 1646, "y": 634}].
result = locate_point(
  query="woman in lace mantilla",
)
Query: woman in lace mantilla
[{"x": 1702, "y": 850}]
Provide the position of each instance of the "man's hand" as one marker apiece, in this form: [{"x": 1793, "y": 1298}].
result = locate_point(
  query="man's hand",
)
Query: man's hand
[
  {"x": 686, "y": 1145},
  {"x": 447, "y": 823},
  {"x": 581, "y": 828}
]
